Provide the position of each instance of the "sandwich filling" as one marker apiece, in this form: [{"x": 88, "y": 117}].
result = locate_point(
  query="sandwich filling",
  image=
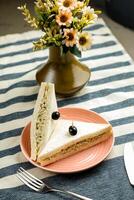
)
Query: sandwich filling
[
  {"x": 41, "y": 120},
  {"x": 81, "y": 145}
]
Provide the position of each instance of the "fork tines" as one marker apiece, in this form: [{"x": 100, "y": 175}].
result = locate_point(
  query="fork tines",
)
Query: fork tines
[{"x": 30, "y": 180}]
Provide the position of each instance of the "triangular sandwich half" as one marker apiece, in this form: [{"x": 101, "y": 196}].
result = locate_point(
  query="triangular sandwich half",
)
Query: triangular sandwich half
[
  {"x": 42, "y": 124},
  {"x": 62, "y": 144}
]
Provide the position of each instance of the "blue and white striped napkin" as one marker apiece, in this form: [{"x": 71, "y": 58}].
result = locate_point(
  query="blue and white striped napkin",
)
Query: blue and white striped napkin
[{"x": 110, "y": 92}]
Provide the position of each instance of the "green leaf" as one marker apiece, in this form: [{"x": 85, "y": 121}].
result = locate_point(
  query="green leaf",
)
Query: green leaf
[
  {"x": 65, "y": 49},
  {"x": 38, "y": 14},
  {"x": 43, "y": 16},
  {"x": 75, "y": 51},
  {"x": 87, "y": 2}
]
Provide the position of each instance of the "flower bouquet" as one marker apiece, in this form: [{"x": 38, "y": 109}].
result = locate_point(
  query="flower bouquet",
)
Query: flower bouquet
[{"x": 62, "y": 23}]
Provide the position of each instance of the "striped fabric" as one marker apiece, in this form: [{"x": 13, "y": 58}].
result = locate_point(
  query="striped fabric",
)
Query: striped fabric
[{"x": 110, "y": 92}]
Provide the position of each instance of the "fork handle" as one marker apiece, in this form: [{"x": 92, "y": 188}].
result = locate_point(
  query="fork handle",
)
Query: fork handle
[
  {"x": 71, "y": 193},
  {"x": 78, "y": 196}
]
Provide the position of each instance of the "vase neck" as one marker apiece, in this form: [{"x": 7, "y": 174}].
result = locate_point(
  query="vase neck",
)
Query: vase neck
[{"x": 55, "y": 53}]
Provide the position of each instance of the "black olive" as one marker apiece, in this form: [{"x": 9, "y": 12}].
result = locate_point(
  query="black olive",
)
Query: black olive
[
  {"x": 55, "y": 115},
  {"x": 72, "y": 130}
]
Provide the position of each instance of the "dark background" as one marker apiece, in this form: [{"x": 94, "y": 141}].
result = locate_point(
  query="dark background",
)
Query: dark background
[
  {"x": 11, "y": 20},
  {"x": 118, "y": 14}
]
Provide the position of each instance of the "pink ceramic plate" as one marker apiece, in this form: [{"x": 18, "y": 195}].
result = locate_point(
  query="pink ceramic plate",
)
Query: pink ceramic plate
[{"x": 80, "y": 161}]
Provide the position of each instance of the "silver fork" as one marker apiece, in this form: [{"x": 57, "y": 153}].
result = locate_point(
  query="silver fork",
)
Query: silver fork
[{"x": 39, "y": 186}]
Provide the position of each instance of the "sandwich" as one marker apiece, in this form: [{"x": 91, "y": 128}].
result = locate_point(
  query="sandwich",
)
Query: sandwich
[
  {"x": 53, "y": 138},
  {"x": 42, "y": 124},
  {"x": 63, "y": 144}
]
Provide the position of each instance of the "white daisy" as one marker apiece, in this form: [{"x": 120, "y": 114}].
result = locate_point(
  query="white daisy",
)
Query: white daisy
[
  {"x": 89, "y": 14},
  {"x": 84, "y": 41}
]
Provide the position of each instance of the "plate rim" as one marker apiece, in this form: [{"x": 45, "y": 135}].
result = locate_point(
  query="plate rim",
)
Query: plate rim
[{"x": 72, "y": 171}]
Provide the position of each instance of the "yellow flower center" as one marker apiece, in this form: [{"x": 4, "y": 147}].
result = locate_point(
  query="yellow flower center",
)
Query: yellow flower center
[
  {"x": 89, "y": 16},
  {"x": 63, "y": 18},
  {"x": 66, "y": 3},
  {"x": 82, "y": 40},
  {"x": 70, "y": 36}
]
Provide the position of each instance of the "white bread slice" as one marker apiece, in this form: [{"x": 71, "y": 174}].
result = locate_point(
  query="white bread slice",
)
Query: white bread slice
[
  {"x": 62, "y": 144},
  {"x": 42, "y": 124}
]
